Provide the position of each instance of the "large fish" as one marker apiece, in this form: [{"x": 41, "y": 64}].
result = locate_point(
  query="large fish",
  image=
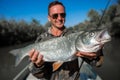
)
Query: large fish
[{"x": 63, "y": 48}]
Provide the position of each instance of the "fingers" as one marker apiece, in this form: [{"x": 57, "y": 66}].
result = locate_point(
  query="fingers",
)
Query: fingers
[
  {"x": 79, "y": 54},
  {"x": 31, "y": 53},
  {"x": 35, "y": 57},
  {"x": 39, "y": 61},
  {"x": 86, "y": 54}
]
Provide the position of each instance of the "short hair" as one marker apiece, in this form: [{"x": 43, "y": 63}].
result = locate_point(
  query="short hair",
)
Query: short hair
[{"x": 53, "y": 4}]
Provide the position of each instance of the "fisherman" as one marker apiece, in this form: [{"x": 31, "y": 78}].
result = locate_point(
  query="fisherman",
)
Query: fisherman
[{"x": 68, "y": 70}]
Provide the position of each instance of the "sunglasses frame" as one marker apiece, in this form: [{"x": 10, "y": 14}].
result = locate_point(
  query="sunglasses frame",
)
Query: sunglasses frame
[{"x": 55, "y": 16}]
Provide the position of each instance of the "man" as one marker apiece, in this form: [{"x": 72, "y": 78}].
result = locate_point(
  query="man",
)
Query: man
[{"x": 44, "y": 70}]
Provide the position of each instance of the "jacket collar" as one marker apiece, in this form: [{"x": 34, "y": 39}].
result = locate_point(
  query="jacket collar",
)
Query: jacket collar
[{"x": 64, "y": 31}]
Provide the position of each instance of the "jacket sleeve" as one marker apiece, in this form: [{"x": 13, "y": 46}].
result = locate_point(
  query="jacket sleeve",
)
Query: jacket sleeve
[
  {"x": 33, "y": 69},
  {"x": 43, "y": 71}
]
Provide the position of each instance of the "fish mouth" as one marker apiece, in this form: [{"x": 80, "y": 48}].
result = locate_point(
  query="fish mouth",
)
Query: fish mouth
[
  {"x": 99, "y": 45},
  {"x": 103, "y": 37},
  {"x": 103, "y": 41}
]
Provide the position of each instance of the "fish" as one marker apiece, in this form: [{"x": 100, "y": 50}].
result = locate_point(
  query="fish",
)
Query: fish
[{"x": 63, "y": 49}]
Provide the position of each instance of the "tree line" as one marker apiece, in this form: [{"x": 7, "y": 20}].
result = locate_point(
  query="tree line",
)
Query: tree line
[{"x": 13, "y": 32}]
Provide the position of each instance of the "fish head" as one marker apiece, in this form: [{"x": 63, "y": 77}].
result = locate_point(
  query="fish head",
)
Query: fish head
[
  {"x": 92, "y": 41},
  {"x": 103, "y": 36}
]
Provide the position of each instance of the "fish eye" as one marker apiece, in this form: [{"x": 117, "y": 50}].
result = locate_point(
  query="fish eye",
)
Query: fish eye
[{"x": 92, "y": 34}]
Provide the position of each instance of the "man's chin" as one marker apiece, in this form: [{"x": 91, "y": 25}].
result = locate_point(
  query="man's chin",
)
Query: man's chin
[{"x": 60, "y": 26}]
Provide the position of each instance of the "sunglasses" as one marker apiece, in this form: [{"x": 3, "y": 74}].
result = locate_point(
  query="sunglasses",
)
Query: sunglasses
[{"x": 55, "y": 16}]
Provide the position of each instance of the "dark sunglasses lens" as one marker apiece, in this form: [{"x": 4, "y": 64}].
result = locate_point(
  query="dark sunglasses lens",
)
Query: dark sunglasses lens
[
  {"x": 54, "y": 16},
  {"x": 63, "y": 15}
]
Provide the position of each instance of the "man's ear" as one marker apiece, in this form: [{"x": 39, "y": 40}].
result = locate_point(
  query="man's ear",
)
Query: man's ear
[{"x": 49, "y": 18}]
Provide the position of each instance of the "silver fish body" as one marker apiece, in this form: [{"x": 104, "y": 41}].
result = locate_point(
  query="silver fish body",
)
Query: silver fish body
[{"x": 64, "y": 48}]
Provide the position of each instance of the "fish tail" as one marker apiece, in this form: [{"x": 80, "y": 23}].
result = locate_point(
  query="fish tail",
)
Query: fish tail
[{"x": 16, "y": 53}]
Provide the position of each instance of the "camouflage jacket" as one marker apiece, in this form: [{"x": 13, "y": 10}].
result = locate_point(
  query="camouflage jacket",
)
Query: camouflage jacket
[{"x": 67, "y": 71}]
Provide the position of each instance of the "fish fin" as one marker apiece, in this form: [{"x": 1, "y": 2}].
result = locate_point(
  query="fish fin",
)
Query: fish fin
[
  {"x": 56, "y": 65},
  {"x": 14, "y": 52}
]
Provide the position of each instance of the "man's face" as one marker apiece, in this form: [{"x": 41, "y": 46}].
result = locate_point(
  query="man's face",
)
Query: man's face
[{"x": 57, "y": 16}]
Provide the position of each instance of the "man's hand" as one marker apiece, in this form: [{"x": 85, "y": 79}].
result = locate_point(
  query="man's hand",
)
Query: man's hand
[
  {"x": 36, "y": 58},
  {"x": 89, "y": 55}
]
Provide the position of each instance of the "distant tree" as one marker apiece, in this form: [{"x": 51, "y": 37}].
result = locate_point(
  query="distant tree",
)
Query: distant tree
[
  {"x": 47, "y": 25},
  {"x": 118, "y": 1},
  {"x": 80, "y": 26},
  {"x": 13, "y": 32},
  {"x": 93, "y": 16},
  {"x": 115, "y": 29},
  {"x": 35, "y": 22}
]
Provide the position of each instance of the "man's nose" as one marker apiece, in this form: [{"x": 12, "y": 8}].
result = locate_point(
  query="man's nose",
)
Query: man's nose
[{"x": 59, "y": 16}]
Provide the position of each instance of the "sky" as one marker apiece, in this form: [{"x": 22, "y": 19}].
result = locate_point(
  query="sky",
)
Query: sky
[{"x": 27, "y": 10}]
